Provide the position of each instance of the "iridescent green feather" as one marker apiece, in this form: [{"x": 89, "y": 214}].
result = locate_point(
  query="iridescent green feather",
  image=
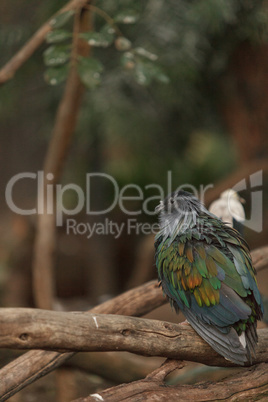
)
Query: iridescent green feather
[{"x": 198, "y": 267}]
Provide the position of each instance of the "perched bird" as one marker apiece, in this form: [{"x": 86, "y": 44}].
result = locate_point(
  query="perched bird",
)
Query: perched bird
[
  {"x": 229, "y": 209},
  {"x": 205, "y": 270}
]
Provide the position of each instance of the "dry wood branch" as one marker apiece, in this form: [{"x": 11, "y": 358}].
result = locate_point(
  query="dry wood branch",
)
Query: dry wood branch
[
  {"x": 67, "y": 114},
  {"x": 37, "y": 363},
  {"x": 248, "y": 384},
  {"x": 8, "y": 71},
  {"x": 166, "y": 368},
  {"x": 26, "y": 328},
  {"x": 260, "y": 258}
]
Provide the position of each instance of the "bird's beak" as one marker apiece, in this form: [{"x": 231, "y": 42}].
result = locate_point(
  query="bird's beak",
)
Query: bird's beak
[
  {"x": 159, "y": 207},
  {"x": 242, "y": 200}
]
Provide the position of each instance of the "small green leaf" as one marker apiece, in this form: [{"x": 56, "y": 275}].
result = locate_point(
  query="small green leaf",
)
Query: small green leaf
[
  {"x": 127, "y": 17},
  {"x": 122, "y": 44},
  {"x": 107, "y": 29},
  {"x": 161, "y": 77},
  {"x": 89, "y": 70},
  {"x": 91, "y": 63},
  {"x": 109, "y": 32},
  {"x": 96, "y": 39},
  {"x": 56, "y": 75},
  {"x": 56, "y": 55},
  {"x": 145, "y": 72},
  {"x": 61, "y": 19},
  {"x": 144, "y": 53},
  {"x": 58, "y": 35},
  {"x": 128, "y": 60}
]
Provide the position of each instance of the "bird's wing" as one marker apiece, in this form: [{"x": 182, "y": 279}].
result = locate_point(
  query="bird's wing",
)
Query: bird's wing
[
  {"x": 201, "y": 277},
  {"x": 240, "y": 255}
]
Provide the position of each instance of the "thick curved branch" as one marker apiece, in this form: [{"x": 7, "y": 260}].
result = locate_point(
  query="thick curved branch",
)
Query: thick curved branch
[
  {"x": 7, "y": 72},
  {"x": 165, "y": 369},
  {"x": 37, "y": 363},
  {"x": 26, "y": 328},
  {"x": 249, "y": 384}
]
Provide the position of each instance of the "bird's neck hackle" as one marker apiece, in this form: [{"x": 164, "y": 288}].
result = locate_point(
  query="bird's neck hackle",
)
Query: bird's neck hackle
[{"x": 174, "y": 224}]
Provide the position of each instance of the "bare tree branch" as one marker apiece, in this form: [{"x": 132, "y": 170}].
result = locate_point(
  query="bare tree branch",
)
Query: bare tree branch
[
  {"x": 260, "y": 258},
  {"x": 37, "y": 363},
  {"x": 165, "y": 369},
  {"x": 7, "y": 72},
  {"x": 26, "y": 328},
  {"x": 67, "y": 114},
  {"x": 247, "y": 385}
]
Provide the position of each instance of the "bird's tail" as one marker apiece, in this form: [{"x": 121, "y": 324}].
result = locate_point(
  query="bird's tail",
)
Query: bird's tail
[
  {"x": 251, "y": 338},
  {"x": 237, "y": 349}
]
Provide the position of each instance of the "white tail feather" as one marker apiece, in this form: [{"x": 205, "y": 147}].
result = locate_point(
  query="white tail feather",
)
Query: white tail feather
[{"x": 242, "y": 339}]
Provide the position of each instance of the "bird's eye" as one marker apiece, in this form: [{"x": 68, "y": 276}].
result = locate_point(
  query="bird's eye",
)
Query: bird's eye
[{"x": 171, "y": 201}]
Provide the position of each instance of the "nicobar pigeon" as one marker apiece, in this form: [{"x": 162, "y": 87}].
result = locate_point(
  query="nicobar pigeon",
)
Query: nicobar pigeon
[{"x": 205, "y": 269}]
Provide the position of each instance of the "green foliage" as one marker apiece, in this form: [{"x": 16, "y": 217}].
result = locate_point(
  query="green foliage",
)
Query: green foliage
[
  {"x": 56, "y": 55},
  {"x": 142, "y": 62},
  {"x": 56, "y": 75},
  {"x": 90, "y": 70},
  {"x": 144, "y": 53},
  {"x": 58, "y": 35},
  {"x": 109, "y": 33},
  {"x": 61, "y": 19},
  {"x": 98, "y": 39},
  {"x": 127, "y": 17},
  {"x": 146, "y": 71}
]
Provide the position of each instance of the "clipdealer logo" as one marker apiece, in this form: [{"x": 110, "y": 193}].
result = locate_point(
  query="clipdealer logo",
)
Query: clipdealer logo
[
  {"x": 55, "y": 194},
  {"x": 109, "y": 227}
]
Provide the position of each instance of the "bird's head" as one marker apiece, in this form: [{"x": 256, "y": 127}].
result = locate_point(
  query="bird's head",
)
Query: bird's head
[
  {"x": 179, "y": 202},
  {"x": 178, "y": 209}
]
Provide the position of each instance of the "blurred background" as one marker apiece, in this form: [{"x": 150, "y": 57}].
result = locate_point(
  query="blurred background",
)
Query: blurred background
[{"x": 207, "y": 125}]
